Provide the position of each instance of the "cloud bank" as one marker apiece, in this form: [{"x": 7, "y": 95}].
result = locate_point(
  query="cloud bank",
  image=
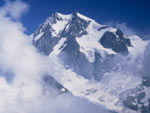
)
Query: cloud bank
[{"x": 127, "y": 30}]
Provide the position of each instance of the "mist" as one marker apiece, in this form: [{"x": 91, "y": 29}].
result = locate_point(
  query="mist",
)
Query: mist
[
  {"x": 22, "y": 89},
  {"x": 145, "y": 71}
]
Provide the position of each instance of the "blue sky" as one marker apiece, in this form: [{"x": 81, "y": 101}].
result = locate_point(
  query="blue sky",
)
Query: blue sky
[{"x": 136, "y": 13}]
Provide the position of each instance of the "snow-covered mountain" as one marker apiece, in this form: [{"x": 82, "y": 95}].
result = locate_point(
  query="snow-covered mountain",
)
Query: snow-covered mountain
[
  {"x": 79, "y": 41},
  {"x": 90, "y": 51}
]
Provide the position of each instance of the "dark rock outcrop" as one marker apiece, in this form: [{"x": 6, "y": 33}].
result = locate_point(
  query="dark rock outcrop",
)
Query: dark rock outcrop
[{"x": 116, "y": 41}]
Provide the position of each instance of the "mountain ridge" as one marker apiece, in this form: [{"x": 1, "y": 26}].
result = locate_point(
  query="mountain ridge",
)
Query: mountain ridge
[
  {"x": 88, "y": 49},
  {"x": 80, "y": 36}
]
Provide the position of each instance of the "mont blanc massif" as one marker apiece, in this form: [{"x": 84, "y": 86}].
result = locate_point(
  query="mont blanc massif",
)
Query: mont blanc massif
[{"x": 101, "y": 63}]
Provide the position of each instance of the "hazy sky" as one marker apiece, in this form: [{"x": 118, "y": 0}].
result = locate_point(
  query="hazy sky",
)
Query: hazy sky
[{"x": 136, "y": 13}]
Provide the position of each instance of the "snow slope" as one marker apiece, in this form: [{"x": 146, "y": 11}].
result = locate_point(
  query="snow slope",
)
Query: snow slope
[{"x": 106, "y": 92}]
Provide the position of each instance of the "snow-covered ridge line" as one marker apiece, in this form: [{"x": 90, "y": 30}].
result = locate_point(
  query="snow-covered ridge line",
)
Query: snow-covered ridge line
[
  {"x": 88, "y": 43},
  {"x": 77, "y": 13},
  {"x": 58, "y": 25}
]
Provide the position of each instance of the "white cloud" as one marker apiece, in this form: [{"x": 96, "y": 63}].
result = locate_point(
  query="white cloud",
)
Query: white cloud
[
  {"x": 14, "y": 9},
  {"x": 25, "y": 67},
  {"x": 123, "y": 27}
]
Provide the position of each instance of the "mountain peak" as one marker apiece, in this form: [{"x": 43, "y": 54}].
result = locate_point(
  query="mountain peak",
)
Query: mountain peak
[
  {"x": 76, "y": 25},
  {"x": 72, "y": 15},
  {"x": 87, "y": 48},
  {"x": 60, "y": 15}
]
